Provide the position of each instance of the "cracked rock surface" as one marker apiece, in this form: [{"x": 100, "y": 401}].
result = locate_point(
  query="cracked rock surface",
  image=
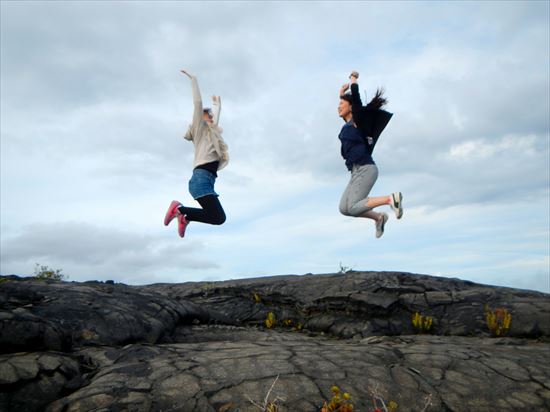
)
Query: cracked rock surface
[{"x": 204, "y": 346}]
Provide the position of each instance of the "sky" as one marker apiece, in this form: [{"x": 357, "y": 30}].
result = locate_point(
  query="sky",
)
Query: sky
[{"x": 93, "y": 109}]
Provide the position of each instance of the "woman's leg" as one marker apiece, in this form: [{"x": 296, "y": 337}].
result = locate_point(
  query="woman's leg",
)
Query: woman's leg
[
  {"x": 356, "y": 202},
  {"x": 344, "y": 200},
  {"x": 212, "y": 211},
  {"x": 380, "y": 220},
  {"x": 373, "y": 202},
  {"x": 367, "y": 204},
  {"x": 362, "y": 181},
  {"x": 372, "y": 215}
]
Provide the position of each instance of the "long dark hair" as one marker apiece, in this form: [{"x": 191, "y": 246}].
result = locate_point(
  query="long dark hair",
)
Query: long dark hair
[
  {"x": 378, "y": 101},
  {"x": 346, "y": 97}
]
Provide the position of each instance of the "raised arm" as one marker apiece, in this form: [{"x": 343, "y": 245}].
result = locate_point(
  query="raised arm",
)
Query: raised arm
[
  {"x": 356, "y": 102},
  {"x": 216, "y": 108},
  {"x": 353, "y": 79},
  {"x": 197, "y": 100},
  {"x": 362, "y": 119},
  {"x": 343, "y": 89}
]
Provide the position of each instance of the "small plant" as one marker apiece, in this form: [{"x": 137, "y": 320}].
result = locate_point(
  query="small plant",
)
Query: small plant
[
  {"x": 498, "y": 321},
  {"x": 291, "y": 323},
  {"x": 270, "y": 321},
  {"x": 344, "y": 269},
  {"x": 268, "y": 406},
  {"x": 88, "y": 334},
  {"x": 427, "y": 402},
  {"x": 339, "y": 402},
  {"x": 207, "y": 287},
  {"x": 377, "y": 399},
  {"x": 256, "y": 297},
  {"x": 44, "y": 272},
  {"x": 392, "y": 406},
  {"x": 422, "y": 323}
]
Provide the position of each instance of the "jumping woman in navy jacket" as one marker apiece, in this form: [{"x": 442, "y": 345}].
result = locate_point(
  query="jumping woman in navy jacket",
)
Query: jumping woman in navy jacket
[{"x": 358, "y": 138}]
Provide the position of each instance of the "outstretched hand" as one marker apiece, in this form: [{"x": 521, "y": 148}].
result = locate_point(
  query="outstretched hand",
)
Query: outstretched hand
[
  {"x": 343, "y": 89},
  {"x": 187, "y": 74},
  {"x": 216, "y": 99}
]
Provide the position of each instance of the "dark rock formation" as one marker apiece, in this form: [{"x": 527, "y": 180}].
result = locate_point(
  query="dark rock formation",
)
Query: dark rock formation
[
  {"x": 204, "y": 346},
  {"x": 61, "y": 316},
  {"x": 362, "y": 304}
]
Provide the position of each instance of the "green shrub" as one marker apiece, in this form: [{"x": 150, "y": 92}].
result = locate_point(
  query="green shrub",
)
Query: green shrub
[
  {"x": 498, "y": 321},
  {"x": 339, "y": 402},
  {"x": 270, "y": 321},
  {"x": 422, "y": 323},
  {"x": 256, "y": 297},
  {"x": 44, "y": 272}
]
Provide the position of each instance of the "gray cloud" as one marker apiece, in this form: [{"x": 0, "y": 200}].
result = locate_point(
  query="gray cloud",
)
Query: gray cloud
[
  {"x": 82, "y": 246},
  {"x": 93, "y": 109}
]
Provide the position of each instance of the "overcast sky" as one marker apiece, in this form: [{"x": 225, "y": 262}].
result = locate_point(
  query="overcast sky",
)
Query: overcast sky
[{"x": 93, "y": 109}]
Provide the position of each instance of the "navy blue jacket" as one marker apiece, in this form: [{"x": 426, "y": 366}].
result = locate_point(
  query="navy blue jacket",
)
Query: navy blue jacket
[
  {"x": 358, "y": 142},
  {"x": 354, "y": 146}
]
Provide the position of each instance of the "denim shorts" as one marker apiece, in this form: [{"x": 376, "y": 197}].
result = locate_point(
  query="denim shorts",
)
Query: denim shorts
[{"x": 202, "y": 183}]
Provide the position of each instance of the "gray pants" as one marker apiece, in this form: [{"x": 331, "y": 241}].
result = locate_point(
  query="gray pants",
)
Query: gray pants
[{"x": 354, "y": 199}]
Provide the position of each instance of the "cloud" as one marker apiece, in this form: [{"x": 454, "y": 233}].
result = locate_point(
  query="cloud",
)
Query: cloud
[
  {"x": 93, "y": 109},
  {"x": 96, "y": 251}
]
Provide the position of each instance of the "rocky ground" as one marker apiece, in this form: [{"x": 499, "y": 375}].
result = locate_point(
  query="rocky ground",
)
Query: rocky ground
[{"x": 93, "y": 346}]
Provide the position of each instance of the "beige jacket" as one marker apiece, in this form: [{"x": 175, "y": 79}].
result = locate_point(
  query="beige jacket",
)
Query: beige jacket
[{"x": 207, "y": 138}]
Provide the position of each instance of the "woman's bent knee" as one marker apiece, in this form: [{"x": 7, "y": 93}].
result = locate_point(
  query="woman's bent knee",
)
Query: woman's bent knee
[
  {"x": 344, "y": 211},
  {"x": 220, "y": 220}
]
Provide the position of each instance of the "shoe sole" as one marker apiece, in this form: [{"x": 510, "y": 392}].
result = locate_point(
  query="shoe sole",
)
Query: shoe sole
[
  {"x": 399, "y": 208},
  {"x": 383, "y": 227},
  {"x": 169, "y": 216},
  {"x": 182, "y": 232}
]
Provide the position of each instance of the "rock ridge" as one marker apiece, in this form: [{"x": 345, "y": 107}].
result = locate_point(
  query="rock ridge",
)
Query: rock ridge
[{"x": 204, "y": 346}]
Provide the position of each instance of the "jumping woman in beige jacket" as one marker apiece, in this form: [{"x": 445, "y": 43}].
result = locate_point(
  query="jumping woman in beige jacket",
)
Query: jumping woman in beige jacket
[{"x": 211, "y": 155}]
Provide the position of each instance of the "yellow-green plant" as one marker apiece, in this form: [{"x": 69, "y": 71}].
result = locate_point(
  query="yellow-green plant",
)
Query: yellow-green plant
[
  {"x": 498, "y": 321},
  {"x": 256, "y": 297},
  {"x": 44, "y": 272},
  {"x": 392, "y": 406},
  {"x": 206, "y": 288},
  {"x": 270, "y": 321},
  {"x": 378, "y": 401},
  {"x": 291, "y": 323},
  {"x": 339, "y": 402},
  {"x": 422, "y": 323}
]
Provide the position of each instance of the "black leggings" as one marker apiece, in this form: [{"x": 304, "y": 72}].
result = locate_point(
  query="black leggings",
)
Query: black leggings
[{"x": 211, "y": 212}]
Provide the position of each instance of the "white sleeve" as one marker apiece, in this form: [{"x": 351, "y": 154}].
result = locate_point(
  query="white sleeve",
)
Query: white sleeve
[
  {"x": 189, "y": 134},
  {"x": 197, "y": 102},
  {"x": 216, "y": 110}
]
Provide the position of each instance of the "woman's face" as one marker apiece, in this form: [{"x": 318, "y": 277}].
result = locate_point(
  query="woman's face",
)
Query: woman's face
[
  {"x": 344, "y": 108},
  {"x": 207, "y": 117}
]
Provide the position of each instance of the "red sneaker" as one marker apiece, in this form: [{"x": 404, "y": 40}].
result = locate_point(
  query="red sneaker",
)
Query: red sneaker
[
  {"x": 172, "y": 212},
  {"x": 182, "y": 224}
]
